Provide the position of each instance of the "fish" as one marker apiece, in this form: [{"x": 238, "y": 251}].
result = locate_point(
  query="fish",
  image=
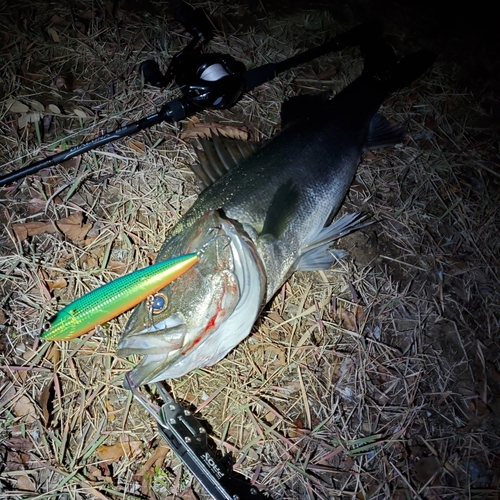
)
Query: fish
[
  {"x": 273, "y": 210},
  {"x": 114, "y": 298}
]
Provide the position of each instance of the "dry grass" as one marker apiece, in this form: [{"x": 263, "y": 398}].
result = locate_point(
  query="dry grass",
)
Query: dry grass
[{"x": 378, "y": 379}]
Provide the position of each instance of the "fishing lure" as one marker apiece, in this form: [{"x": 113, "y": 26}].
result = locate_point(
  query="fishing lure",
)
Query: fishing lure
[{"x": 114, "y": 298}]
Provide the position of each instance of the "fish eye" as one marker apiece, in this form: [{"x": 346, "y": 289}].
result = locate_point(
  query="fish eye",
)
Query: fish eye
[{"x": 159, "y": 303}]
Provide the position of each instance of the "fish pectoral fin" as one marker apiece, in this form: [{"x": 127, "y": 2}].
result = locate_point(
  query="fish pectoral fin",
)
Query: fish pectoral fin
[
  {"x": 319, "y": 258},
  {"x": 382, "y": 133},
  {"x": 317, "y": 255},
  {"x": 152, "y": 342},
  {"x": 337, "y": 229},
  {"x": 282, "y": 210}
]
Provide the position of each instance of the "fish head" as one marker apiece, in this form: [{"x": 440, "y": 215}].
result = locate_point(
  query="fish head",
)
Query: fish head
[{"x": 197, "y": 319}]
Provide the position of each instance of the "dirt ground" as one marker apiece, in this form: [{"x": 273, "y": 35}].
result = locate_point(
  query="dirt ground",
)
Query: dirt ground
[{"x": 377, "y": 379}]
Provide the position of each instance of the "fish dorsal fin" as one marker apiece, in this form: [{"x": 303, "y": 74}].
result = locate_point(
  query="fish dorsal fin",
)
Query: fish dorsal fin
[
  {"x": 382, "y": 133},
  {"x": 219, "y": 155},
  {"x": 282, "y": 209},
  {"x": 302, "y": 105}
]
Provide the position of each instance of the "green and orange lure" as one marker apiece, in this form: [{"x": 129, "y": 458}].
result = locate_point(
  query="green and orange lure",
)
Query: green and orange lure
[{"x": 114, "y": 298}]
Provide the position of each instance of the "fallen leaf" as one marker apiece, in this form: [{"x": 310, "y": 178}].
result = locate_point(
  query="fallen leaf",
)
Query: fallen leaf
[
  {"x": 94, "y": 471},
  {"x": 57, "y": 283},
  {"x": 479, "y": 407},
  {"x": 24, "y": 119},
  {"x": 114, "y": 452},
  {"x": 480, "y": 410},
  {"x": 80, "y": 113},
  {"x": 274, "y": 316},
  {"x": 25, "y": 483},
  {"x": 53, "y": 34},
  {"x": 60, "y": 82},
  {"x": 73, "y": 227},
  {"x": 347, "y": 463},
  {"x": 417, "y": 451},
  {"x": 105, "y": 470},
  {"x": 23, "y": 230},
  {"x": 17, "y": 106},
  {"x": 297, "y": 430},
  {"x": 37, "y": 106},
  {"x": 369, "y": 155},
  {"x": 91, "y": 260},
  {"x": 101, "y": 473},
  {"x": 52, "y": 108},
  {"x": 117, "y": 266},
  {"x": 190, "y": 398},
  {"x": 270, "y": 417},
  {"x": 146, "y": 474},
  {"x": 110, "y": 410},
  {"x": 73, "y": 163},
  {"x": 152, "y": 256},
  {"x": 193, "y": 120},
  {"x": 400, "y": 495},
  {"x": 348, "y": 320},
  {"x": 206, "y": 129},
  {"x": 36, "y": 205},
  {"x": 346, "y": 313},
  {"x": 57, "y": 19},
  {"x": 54, "y": 354},
  {"x": 16, "y": 460},
  {"x": 136, "y": 145},
  {"x": 25, "y": 408},
  {"x": 19, "y": 443},
  {"x": 155, "y": 460},
  {"x": 3, "y": 318},
  {"x": 431, "y": 123},
  {"x": 46, "y": 401}
]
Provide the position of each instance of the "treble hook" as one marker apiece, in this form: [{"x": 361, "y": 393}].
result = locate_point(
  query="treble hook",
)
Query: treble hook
[{"x": 204, "y": 247}]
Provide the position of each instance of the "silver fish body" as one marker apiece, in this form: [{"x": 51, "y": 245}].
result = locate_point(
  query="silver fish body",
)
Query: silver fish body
[{"x": 265, "y": 218}]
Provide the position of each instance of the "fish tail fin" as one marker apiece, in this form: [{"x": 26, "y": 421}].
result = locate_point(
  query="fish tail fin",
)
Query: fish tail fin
[{"x": 383, "y": 67}]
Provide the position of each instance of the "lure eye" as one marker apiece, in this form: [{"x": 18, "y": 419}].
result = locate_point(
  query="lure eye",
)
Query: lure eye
[
  {"x": 159, "y": 303},
  {"x": 46, "y": 326}
]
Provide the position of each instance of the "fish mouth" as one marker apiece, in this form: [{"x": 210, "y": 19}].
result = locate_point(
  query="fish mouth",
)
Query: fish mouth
[
  {"x": 167, "y": 334},
  {"x": 214, "y": 306}
]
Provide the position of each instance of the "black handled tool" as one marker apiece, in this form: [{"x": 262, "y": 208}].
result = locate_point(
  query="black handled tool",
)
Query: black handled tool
[{"x": 188, "y": 439}]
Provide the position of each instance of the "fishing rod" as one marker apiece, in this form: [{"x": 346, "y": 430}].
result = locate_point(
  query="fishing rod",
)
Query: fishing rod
[{"x": 206, "y": 80}]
